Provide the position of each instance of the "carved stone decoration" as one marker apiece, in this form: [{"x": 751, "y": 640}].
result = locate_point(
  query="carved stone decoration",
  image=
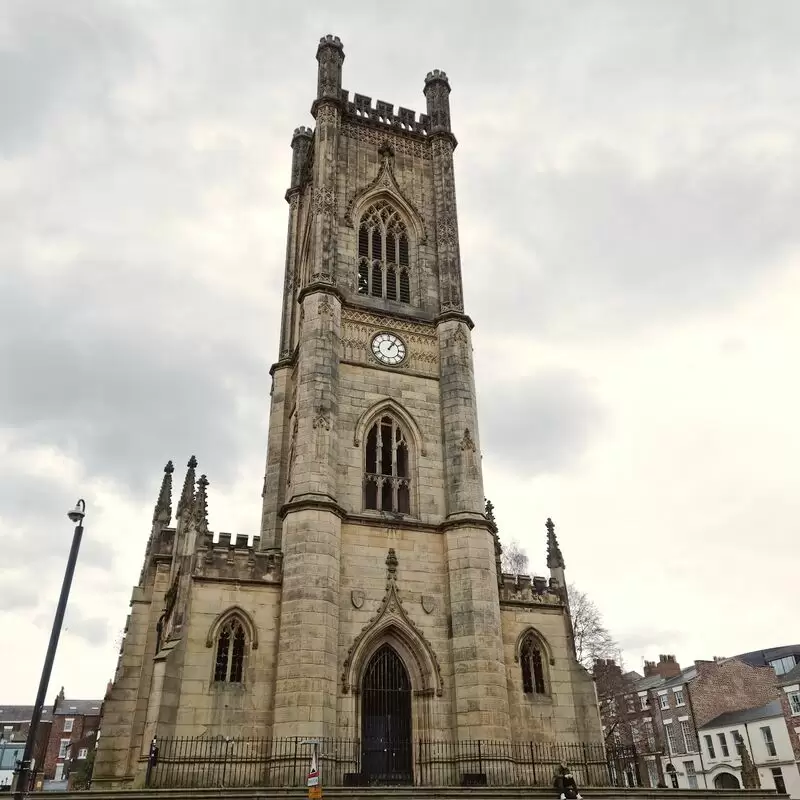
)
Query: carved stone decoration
[
  {"x": 467, "y": 443},
  {"x": 392, "y": 616},
  {"x": 292, "y": 451},
  {"x": 446, "y": 232},
  {"x": 327, "y": 114},
  {"x": 428, "y": 603},
  {"x": 459, "y": 337},
  {"x": 386, "y": 181},
  {"x": 324, "y": 200},
  {"x": 364, "y": 132},
  {"x": 325, "y": 308},
  {"x": 321, "y": 419},
  {"x": 357, "y": 598}
]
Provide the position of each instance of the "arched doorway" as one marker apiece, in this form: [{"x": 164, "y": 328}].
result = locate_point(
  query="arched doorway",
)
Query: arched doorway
[
  {"x": 726, "y": 781},
  {"x": 386, "y": 719}
]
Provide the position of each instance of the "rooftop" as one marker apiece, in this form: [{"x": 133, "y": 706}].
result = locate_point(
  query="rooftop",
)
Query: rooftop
[
  {"x": 9, "y": 714},
  {"x": 78, "y": 708},
  {"x": 771, "y": 709},
  {"x": 792, "y": 676}
]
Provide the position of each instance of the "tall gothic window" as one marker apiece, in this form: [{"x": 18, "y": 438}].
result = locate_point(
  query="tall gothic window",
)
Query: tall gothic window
[
  {"x": 531, "y": 657},
  {"x": 387, "y": 476},
  {"x": 383, "y": 253},
  {"x": 229, "y": 666}
]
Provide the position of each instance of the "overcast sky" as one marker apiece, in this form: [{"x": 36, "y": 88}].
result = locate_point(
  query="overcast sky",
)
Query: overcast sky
[{"x": 628, "y": 190}]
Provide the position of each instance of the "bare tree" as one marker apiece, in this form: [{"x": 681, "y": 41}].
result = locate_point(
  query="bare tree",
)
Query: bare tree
[
  {"x": 514, "y": 558},
  {"x": 592, "y": 638}
]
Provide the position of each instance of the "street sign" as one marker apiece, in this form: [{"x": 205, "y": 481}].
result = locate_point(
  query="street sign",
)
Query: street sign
[{"x": 313, "y": 777}]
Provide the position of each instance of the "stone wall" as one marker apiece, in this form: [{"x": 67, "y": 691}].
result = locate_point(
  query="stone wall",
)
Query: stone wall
[{"x": 567, "y": 712}]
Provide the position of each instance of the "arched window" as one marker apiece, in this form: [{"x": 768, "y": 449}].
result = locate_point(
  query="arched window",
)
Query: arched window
[
  {"x": 387, "y": 479},
  {"x": 383, "y": 253},
  {"x": 531, "y": 657},
  {"x": 229, "y": 664}
]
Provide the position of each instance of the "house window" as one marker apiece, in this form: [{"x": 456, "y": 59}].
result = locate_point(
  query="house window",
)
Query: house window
[
  {"x": 387, "y": 481},
  {"x": 648, "y": 732},
  {"x": 679, "y": 701},
  {"x": 688, "y": 736},
  {"x": 777, "y": 776},
  {"x": 82, "y": 753},
  {"x": 63, "y": 748},
  {"x": 532, "y": 665},
  {"x": 383, "y": 254},
  {"x": 645, "y": 700},
  {"x": 766, "y": 732},
  {"x": 691, "y": 774},
  {"x": 710, "y": 746},
  {"x": 630, "y": 704},
  {"x": 794, "y": 703},
  {"x": 664, "y": 701},
  {"x": 783, "y": 665},
  {"x": 229, "y": 665},
  {"x": 672, "y": 742},
  {"x": 68, "y": 723},
  {"x": 723, "y": 745}
]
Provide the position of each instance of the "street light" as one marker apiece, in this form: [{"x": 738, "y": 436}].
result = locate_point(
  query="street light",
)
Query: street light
[{"x": 75, "y": 515}]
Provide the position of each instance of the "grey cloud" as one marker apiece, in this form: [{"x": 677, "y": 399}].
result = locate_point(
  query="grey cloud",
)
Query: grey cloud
[
  {"x": 599, "y": 250},
  {"x": 92, "y": 629},
  {"x": 652, "y": 640},
  {"x": 539, "y": 424}
]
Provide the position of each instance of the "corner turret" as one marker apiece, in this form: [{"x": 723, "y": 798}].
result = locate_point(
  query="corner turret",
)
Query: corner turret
[
  {"x": 437, "y": 93},
  {"x": 301, "y": 144},
  {"x": 330, "y": 55}
]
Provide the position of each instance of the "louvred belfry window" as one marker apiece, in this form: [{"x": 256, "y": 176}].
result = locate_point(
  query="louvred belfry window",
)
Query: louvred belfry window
[
  {"x": 383, "y": 254},
  {"x": 229, "y": 664},
  {"x": 387, "y": 481}
]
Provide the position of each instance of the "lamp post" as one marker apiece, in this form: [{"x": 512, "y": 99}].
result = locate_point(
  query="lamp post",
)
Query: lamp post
[{"x": 75, "y": 515}]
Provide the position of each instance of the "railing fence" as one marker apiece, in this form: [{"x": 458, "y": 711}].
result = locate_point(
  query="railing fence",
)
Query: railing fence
[{"x": 185, "y": 762}]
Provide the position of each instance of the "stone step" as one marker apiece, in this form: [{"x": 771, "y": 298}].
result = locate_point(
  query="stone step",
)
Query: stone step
[{"x": 417, "y": 793}]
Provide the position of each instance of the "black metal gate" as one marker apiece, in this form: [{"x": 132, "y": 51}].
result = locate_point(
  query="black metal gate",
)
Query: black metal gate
[{"x": 386, "y": 720}]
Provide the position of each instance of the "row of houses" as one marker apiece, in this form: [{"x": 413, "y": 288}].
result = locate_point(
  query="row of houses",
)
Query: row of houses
[
  {"x": 63, "y": 752},
  {"x": 719, "y": 724}
]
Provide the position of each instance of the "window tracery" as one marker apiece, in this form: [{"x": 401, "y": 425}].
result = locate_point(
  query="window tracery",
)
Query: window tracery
[
  {"x": 387, "y": 478},
  {"x": 230, "y": 653},
  {"x": 532, "y": 658},
  {"x": 383, "y": 267}
]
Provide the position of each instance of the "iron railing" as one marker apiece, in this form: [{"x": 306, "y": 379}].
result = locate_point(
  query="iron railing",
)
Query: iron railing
[{"x": 241, "y": 762}]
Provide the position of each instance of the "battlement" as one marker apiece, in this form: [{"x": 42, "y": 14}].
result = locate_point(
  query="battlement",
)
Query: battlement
[
  {"x": 330, "y": 40},
  {"x": 436, "y": 75},
  {"x": 383, "y": 113},
  {"x": 231, "y": 557},
  {"x": 302, "y": 131},
  {"x": 533, "y": 590}
]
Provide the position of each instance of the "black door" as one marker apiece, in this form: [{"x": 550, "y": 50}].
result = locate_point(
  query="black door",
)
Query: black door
[{"x": 386, "y": 720}]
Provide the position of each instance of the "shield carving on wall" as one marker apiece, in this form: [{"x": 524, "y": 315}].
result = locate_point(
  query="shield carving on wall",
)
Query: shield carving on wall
[
  {"x": 428, "y": 603},
  {"x": 357, "y": 598}
]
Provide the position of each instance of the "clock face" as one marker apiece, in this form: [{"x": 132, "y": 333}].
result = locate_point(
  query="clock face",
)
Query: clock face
[{"x": 388, "y": 348}]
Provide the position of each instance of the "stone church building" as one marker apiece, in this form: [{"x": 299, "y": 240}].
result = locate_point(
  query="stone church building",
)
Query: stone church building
[{"x": 372, "y": 606}]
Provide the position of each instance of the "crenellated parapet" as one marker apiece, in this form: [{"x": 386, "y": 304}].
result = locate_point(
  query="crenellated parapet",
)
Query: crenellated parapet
[
  {"x": 232, "y": 557},
  {"x": 383, "y": 114},
  {"x": 529, "y": 590}
]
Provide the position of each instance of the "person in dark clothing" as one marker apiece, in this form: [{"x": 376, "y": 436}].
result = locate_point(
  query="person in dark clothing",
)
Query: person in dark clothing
[{"x": 565, "y": 784}]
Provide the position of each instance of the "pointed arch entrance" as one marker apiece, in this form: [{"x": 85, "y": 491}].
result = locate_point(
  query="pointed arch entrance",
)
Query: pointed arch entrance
[{"x": 386, "y": 719}]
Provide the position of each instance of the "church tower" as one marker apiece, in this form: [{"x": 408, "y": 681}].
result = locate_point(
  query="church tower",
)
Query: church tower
[
  {"x": 373, "y": 429},
  {"x": 371, "y": 606}
]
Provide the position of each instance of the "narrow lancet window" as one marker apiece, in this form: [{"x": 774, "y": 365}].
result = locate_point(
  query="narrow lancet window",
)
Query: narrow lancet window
[
  {"x": 230, "y": 654},
  {"x": 532, "y": 664},
  {"x": 387, "y": 482},
  {"x": 383, "y": 268}
]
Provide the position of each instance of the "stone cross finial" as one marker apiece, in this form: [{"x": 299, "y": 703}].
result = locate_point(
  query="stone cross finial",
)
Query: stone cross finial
[
  {"x": 391, "y": 563},
  {"x": 163, "y": 510},
  {"x": 554, "y": 557}
]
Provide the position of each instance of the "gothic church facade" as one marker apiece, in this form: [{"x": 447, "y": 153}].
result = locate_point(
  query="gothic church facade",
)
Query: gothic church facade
[{"x": 372, "y": 604}]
